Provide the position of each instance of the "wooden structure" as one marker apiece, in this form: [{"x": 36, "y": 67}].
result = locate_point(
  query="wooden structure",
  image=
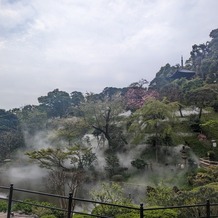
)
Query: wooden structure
[
  {"x": 182, "y": 73},
  {"x": 207, "y": 163}
]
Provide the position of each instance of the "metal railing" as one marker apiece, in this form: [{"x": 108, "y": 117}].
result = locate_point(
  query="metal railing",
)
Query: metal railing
[{"x": 69, "y": 212}]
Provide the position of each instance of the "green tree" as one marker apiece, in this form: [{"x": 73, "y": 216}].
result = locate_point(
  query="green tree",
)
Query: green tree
[
  {"x": 8, "y": 121},
  {"x": 198, "y": 53},
  {"x": 77, "y": 98},
  {"x": 162, "y": 77},
  {"x": 201, "y": 98},
  {"x": 165, "y": 196},
  {"x": 103, "y": 117},
  {"x": 112, "y": 93},
  {"x": 139, "y": 164},
  {"x": 203, "y": 59},
  {"x": 203, "y": 177},
  {"x": 110, "y": 193},
  {"x": 67, "y": 167},
  {"x": 161, "y": 195},
  {"x": 154, "y": 118},
  {"x": 210, "y": 63},
  {"x": 174, "y": 93},
  {"x": 11, "y": 136},
  {"x": 32, "y": 118},
  {"x": 9, "y": 142},
  {"x": 56, "y": 103},
  {"x": 190, "y": 85},
  {"x": 72, "y": 129},
  {"x": 196, "y": 196},
  {"x": 112, "y": 165}
]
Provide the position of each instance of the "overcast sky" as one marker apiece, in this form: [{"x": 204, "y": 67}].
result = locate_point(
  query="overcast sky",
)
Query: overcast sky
[{"x": 87, "y": 45}]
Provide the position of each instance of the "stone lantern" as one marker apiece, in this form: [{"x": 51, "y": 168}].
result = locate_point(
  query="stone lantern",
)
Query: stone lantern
[
  {"x": 184, "y": 155},
  {"x": 213, "y": 143}
]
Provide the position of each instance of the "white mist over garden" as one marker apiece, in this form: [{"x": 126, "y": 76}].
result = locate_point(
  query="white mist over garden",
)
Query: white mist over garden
[{"x": 26, "y": 174}]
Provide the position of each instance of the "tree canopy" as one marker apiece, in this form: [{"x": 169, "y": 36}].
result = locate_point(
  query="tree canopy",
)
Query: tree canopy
[
  {"x": 11, "y": 136},
  {"x": 56, "y": 103}
]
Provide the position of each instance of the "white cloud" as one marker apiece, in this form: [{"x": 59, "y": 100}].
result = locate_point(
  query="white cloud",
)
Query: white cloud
[{"x": 87, "y": 45}]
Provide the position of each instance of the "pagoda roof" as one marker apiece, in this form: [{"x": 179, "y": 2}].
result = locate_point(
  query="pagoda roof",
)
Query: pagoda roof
[{"x": 183, "y": 73}]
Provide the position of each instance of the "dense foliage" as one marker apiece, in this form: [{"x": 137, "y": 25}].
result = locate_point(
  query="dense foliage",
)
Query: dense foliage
[
  {"x": 11, "y": 136},
  {"x": 130, "y": 132}
]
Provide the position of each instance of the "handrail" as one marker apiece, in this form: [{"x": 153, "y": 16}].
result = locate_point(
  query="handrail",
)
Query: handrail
[
  {"x": 69, "y": 211},
  {"x": 76, "y": 199},
  {"x": 208, "y": 162}
]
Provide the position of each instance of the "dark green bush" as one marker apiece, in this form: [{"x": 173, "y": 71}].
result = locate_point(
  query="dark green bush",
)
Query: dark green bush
[
  {"x": 168, "y": 213},
  {"x": 128, "y": 215},
  {"x": 24, "y": 208},
  {"x": 3, "y": 206},
  {"x": 194, "y": 123},
  {"x": 215, "y": 106},
  {"x": 139, "y": 164},
  {"x": 39, "y": 211},
  {"x": 203, "y": 176},
  {"x": 112, "y": 210},
  {"x": 48, "y": 216},
  {"x": 211, "y": 155},
  {"x": 117, "y": 178},
  {"x": 200, "y": 148},
  {"x": 81, "y": 216}
]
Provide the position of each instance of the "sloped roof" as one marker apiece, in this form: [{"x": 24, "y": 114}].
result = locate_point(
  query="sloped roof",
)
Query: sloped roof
[{"x": 182, "y": 73}]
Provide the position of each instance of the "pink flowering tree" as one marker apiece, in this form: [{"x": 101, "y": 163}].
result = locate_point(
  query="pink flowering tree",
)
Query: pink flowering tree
[{"x": 137, "y": 96}]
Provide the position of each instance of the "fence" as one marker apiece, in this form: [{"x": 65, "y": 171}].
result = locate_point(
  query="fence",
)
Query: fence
[
  {"x": 69, "y": 213},
  {"x": 206, "y": 163}
]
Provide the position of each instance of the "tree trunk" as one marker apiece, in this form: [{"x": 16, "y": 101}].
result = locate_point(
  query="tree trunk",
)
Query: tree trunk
[
  {"x": 156, "y": 144},
  {"x": 180, "y": 111},
  {"x": 156, "y": 151},
  {"x": 105, "y": 131},
  {"x": 200, "y": 113}
]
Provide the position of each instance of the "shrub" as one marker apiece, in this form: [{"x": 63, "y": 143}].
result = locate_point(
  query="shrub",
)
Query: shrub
[
  {"x": 194, "y": 123},
  {"x": 112, "y": 210},
  {"x": 203, "y": 176},
  {"x": 197, "y": 196},
  {"x": 117, "y": 178},
  {"x": 211, "y": 155},
  {"x": 81, "y": 216},
  {"x": 215, "y": 106},
  {"x": 200, "y": 148},
  {"x": 22, "y": 207},
  {"x": 160, "y": 195},
  {"x": 39, "y": 211},
  {"x": 48, "y": 216},
  {"x": 3, "y": 206},
  {"x": 168, "y": 213},
  {"x": 139, "y": 164},
  {"x": 128, "y": 215}
]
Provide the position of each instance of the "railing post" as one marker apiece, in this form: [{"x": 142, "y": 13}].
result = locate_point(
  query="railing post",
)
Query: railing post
[
  {"x": 141, "y": 211},
  {"x": 10, "y": 200},
  {"x": 70, "y": 200},
  {"x": 208, "y": 208}
]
